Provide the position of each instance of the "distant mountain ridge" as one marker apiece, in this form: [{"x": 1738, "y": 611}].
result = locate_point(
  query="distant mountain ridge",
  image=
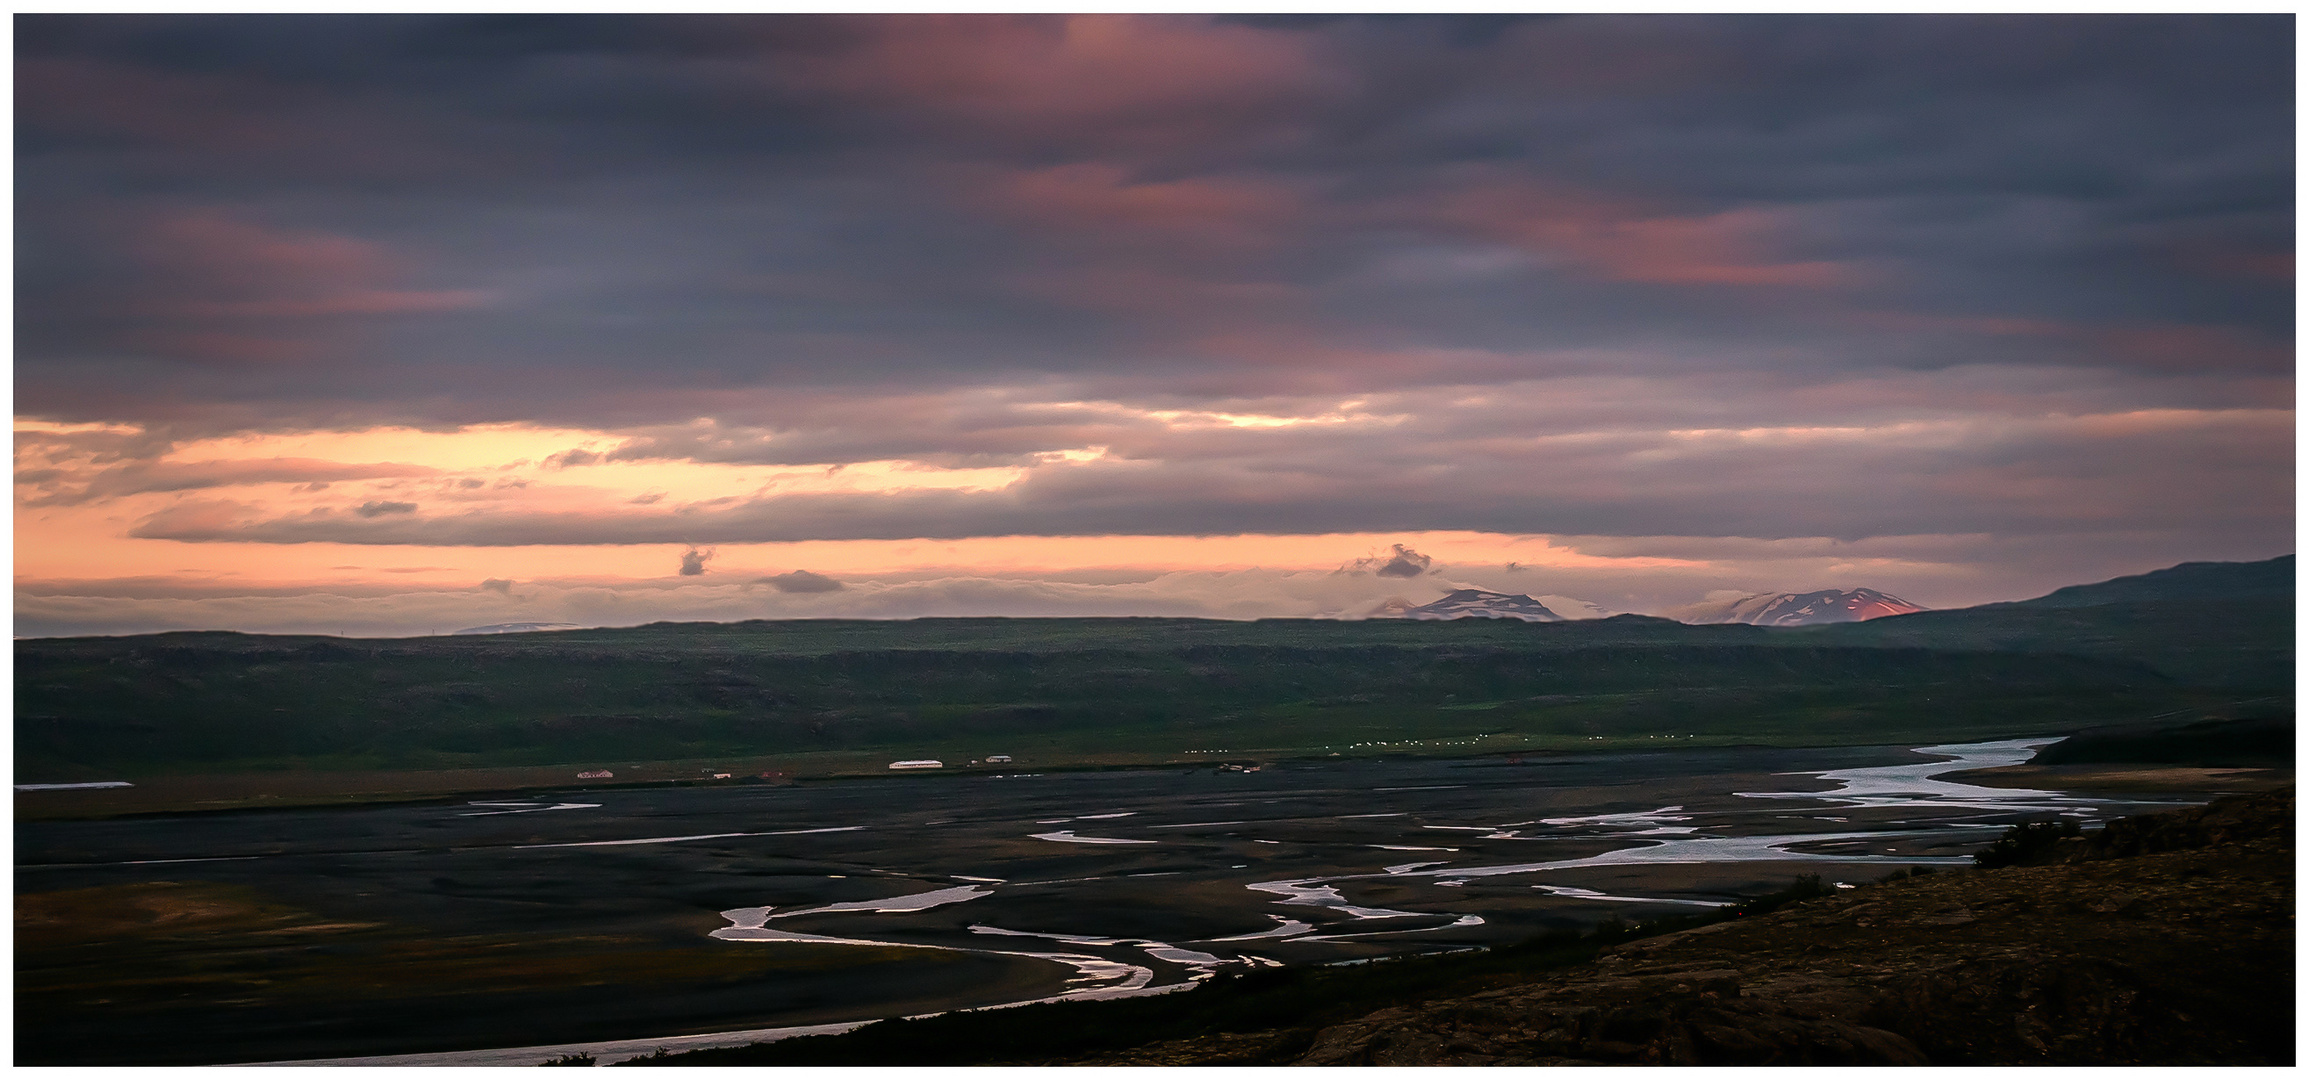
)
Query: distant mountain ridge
[
  {"x": 2205, "y": 624},
  {"x": 1799, "y": 609},
  {"x": 1472, "y": 604},
  {"x": 2188, "y": 581}
]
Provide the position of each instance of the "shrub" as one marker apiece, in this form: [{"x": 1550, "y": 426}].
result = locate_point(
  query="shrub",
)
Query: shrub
[{"x": 2026, "y": 843}]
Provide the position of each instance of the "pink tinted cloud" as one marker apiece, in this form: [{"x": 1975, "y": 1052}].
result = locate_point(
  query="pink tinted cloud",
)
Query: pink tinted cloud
[
  {"x": 235, "y": 269},
  {"x": 1259, "y": 360},
  {"x": 1620, "y": 239},
  {"x": 1187, "y": 254},
  {"x": 235, "y": 122},
  {"x": 2182, "y": 347},
  {"x": 215, "y": 347},
  {"x": 1175, "y": 299},
  {"x": 2156, "y": 346},
  {"x": 1118, "y": 80},
  {"x": 2237, "y": 263},
  {"x": 211, "y": 111},
  {"x": 217, "y": 288},
  {"x": 1101, "y": 195}
]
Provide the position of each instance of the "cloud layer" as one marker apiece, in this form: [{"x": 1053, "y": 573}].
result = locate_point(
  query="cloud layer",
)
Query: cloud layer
[{"x": 475, "y": 283}]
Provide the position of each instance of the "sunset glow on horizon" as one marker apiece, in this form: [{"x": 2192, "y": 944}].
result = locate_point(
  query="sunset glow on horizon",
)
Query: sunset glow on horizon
[{"x": 390, "y": 325}]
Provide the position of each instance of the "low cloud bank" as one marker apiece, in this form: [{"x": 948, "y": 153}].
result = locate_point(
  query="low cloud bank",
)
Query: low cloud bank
[{"x": 1937, "y": 571}]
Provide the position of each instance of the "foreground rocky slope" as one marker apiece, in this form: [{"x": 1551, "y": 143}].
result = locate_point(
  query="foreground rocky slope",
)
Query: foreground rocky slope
[{"x": 2161, "y": 940}]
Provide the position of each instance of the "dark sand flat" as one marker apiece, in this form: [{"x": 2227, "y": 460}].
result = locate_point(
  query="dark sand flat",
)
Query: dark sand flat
[{"x": 583, "y": 915}]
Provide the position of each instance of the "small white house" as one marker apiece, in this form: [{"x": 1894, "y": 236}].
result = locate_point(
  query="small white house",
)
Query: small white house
[
  {"x": 596, "y": 774},
  {"x": 924, "y": 764},
  {"x": 998, "y": 759}
]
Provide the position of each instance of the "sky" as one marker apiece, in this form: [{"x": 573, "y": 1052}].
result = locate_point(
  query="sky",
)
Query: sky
[{"x": 397, "y": 325}]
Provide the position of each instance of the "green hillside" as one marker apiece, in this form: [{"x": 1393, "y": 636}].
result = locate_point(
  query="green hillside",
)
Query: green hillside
[
  {"x": 2201, "y": 624},
  {"x": 1159, "y": 689}
]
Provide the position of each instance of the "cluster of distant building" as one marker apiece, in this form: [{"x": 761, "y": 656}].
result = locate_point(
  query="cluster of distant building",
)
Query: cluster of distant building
[
  {"x": 605, "y": 774},
  {"x": 927, "y": 763}
]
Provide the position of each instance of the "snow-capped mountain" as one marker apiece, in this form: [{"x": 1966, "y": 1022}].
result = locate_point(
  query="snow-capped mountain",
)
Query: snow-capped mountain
[
  {"x": 1575, "y": 609},
  {"x": 516, "y": 628},
  {"x": 1798, "y": 609},
  {"x": 1471, "y": 604}
]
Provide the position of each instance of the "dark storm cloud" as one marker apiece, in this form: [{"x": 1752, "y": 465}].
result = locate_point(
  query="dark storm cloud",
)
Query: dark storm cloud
[
  {"x": 1402, "y": 562},
  {"x": 830, "y": 197},
  {"x": 1406, "y": 564},
  {"x": 972, "y": 240},
  {"x": 800, "y": 581}
]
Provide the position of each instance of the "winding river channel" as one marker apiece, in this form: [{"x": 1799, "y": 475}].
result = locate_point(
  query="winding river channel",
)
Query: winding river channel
[{"x": 1152, "y": 882}]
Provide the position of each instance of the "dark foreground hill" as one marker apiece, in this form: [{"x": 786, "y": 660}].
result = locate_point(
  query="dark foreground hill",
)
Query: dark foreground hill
[
  {"x": 2252, "y": 742},
  {"x": 2180, "y": 957},
  {"x": 2165, "y": 939},
  {"x": 2227, "y": 624}
]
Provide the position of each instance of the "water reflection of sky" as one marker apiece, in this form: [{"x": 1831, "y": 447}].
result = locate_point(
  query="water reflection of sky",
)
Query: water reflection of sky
[
  {"x": 1667, "y": 835},
  {"x": 1914, "y": 784},
  {"x": 1905, "y": 813},
  {"x": 1664, "y": 836}
]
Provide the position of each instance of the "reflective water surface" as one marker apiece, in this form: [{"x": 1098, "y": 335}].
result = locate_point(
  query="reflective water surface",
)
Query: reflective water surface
[{"x": 1166, "y": 878}]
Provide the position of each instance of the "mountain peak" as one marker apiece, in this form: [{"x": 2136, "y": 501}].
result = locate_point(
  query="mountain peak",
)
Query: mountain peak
[
  {"x": 1471, "y": 604},
  {"x": 1800, "y": 609}
]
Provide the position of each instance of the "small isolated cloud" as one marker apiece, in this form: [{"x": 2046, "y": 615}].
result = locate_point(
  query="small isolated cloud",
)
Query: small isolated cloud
[
  {"x": 374, "y": 509},
  {"x": 646, "y": 500},
  {"x": 693, "y": 561},
  {"x": 800, "y": 581},
  {"x": 500, "y": 586},
  {"x": 569, "y": 458},
  {"x": 1402, "y": 562}
]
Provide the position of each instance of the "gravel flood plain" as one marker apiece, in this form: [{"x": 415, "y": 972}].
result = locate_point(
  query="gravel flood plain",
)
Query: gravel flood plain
[{"x": 268, "y": 936}]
